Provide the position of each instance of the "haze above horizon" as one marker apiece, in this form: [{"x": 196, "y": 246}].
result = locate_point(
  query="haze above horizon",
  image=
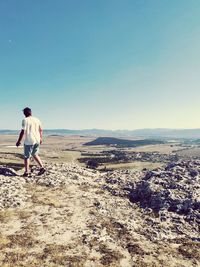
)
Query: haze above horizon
[{"x": 100, "y": 64}]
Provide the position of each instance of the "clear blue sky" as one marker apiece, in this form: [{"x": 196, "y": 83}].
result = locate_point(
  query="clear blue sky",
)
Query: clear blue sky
[{"x": 112, "y": 64}]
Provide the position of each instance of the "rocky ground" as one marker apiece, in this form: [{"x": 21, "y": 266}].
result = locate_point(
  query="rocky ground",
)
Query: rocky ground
[{"x": 72, "y": 216}]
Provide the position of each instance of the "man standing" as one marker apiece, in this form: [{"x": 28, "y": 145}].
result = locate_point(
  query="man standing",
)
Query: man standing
[{"x": 32, "y": 130}]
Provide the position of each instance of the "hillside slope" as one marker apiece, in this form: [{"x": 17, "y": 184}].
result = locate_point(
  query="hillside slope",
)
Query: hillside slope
[{"x": 74, "y": 216}]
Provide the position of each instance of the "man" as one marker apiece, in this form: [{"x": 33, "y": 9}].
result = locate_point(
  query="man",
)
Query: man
[{"x": 32, "y": 130}]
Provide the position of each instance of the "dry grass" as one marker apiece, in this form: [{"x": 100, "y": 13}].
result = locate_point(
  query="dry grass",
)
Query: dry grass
[
  {"x": 58, "y": 254},
  {"x": 190, "y": 250},
  {"x": 141, "y": 263},
  {"x": 190, "y": 152},
  {"x": 109, "y": 257},
  {"x": 50, "y": 198},
  {"x": 6, "y": 215},
  {"x": 14, "y": 258},
  {"x": 47, "y": 200},
  {"x": 24, "y": 214},
  {"x": 162, "y": 148},
  {"x": 4, "y": 242},
  {"x": 24, "y": 239},
  {"x": 134, "y": 248},
  {"x": 24, "y": 258}
]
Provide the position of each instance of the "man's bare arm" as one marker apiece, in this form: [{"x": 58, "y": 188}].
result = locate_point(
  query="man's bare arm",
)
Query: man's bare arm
[
  {"x": 40, "y": 130},
  {"x": 20, "y": 138}
]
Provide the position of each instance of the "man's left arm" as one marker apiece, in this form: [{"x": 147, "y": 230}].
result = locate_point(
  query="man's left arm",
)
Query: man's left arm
[{"x": 20, "y": 138}]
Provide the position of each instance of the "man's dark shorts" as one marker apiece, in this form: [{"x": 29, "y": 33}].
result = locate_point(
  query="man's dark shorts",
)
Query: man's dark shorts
[{"x": 31, "y": 150}]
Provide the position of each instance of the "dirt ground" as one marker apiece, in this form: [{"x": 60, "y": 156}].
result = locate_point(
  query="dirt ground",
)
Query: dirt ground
[
  {"x": 81, "y": 224},
  {"x": 84, "y": 226}
]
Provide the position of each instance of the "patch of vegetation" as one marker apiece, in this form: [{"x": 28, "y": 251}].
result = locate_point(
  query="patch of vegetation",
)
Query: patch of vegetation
[
  {"x": 25, "y": 240},
  {"x": 47, "y": 200},
  {"x": 4, "y": 242},
  {"x": 92, "y": 163},
  {"x": 6, "y": 215},
  {"x": 23, "y": 214},
  {"x": 109, "y": 256},
  {"x": 50, "y": 197},
  {"x": 190, "y": 250},
  {"x": 118, "y": 156},
  {"x": 134, "y": 248},
  {"x": 57, "y": 254},
  {"x": 12, "y": 258}
]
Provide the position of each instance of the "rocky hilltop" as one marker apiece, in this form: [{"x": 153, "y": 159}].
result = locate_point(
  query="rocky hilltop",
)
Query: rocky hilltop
[{"x": 73, "y": 216}]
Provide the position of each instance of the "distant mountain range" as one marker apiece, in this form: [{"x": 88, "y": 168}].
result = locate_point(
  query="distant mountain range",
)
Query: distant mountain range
[{"x": 144, "y": 133}]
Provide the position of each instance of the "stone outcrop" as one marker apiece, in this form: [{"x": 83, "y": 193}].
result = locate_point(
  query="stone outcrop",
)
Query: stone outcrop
[
  {"x": 13, "y": 189},
  {"x": 174, "y": 188},
  {"x": 12, "y": 192}
]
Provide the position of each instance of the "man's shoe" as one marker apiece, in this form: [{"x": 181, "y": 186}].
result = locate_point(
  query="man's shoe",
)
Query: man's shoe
[
  {"x": 42, "y": 170},
  {"x": 26, "y": 174}
]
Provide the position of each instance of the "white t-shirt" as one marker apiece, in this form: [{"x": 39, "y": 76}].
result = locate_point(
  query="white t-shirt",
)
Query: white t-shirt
[{"x": 31, "y": 126}]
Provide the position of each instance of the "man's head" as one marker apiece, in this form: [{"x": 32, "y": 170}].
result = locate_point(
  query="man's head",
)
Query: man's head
[{"x": 27, "y": 112}]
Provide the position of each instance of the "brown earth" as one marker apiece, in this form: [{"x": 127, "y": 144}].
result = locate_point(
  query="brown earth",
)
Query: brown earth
[{"x": 81, "y": 224}]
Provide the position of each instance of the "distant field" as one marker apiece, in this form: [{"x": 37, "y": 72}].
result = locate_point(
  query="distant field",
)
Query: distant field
[
  {"x": 53, "y": 149},
  {"x": 69, "y": 149},
  {"x": 161, "y": 148},
  {"x": 190, "y": 152}
]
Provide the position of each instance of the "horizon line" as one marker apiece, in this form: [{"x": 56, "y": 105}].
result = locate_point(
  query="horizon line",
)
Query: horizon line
[{"x": 101, "y": 129}]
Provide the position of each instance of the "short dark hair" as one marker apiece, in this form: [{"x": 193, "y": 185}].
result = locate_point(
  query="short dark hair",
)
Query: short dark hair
[{"x": 27, "y": 111}]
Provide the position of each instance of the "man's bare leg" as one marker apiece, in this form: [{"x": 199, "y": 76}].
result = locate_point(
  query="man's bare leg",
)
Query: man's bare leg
[
  {"x": 27, "y": 164},
  {"x": 38, "y": 160}
]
